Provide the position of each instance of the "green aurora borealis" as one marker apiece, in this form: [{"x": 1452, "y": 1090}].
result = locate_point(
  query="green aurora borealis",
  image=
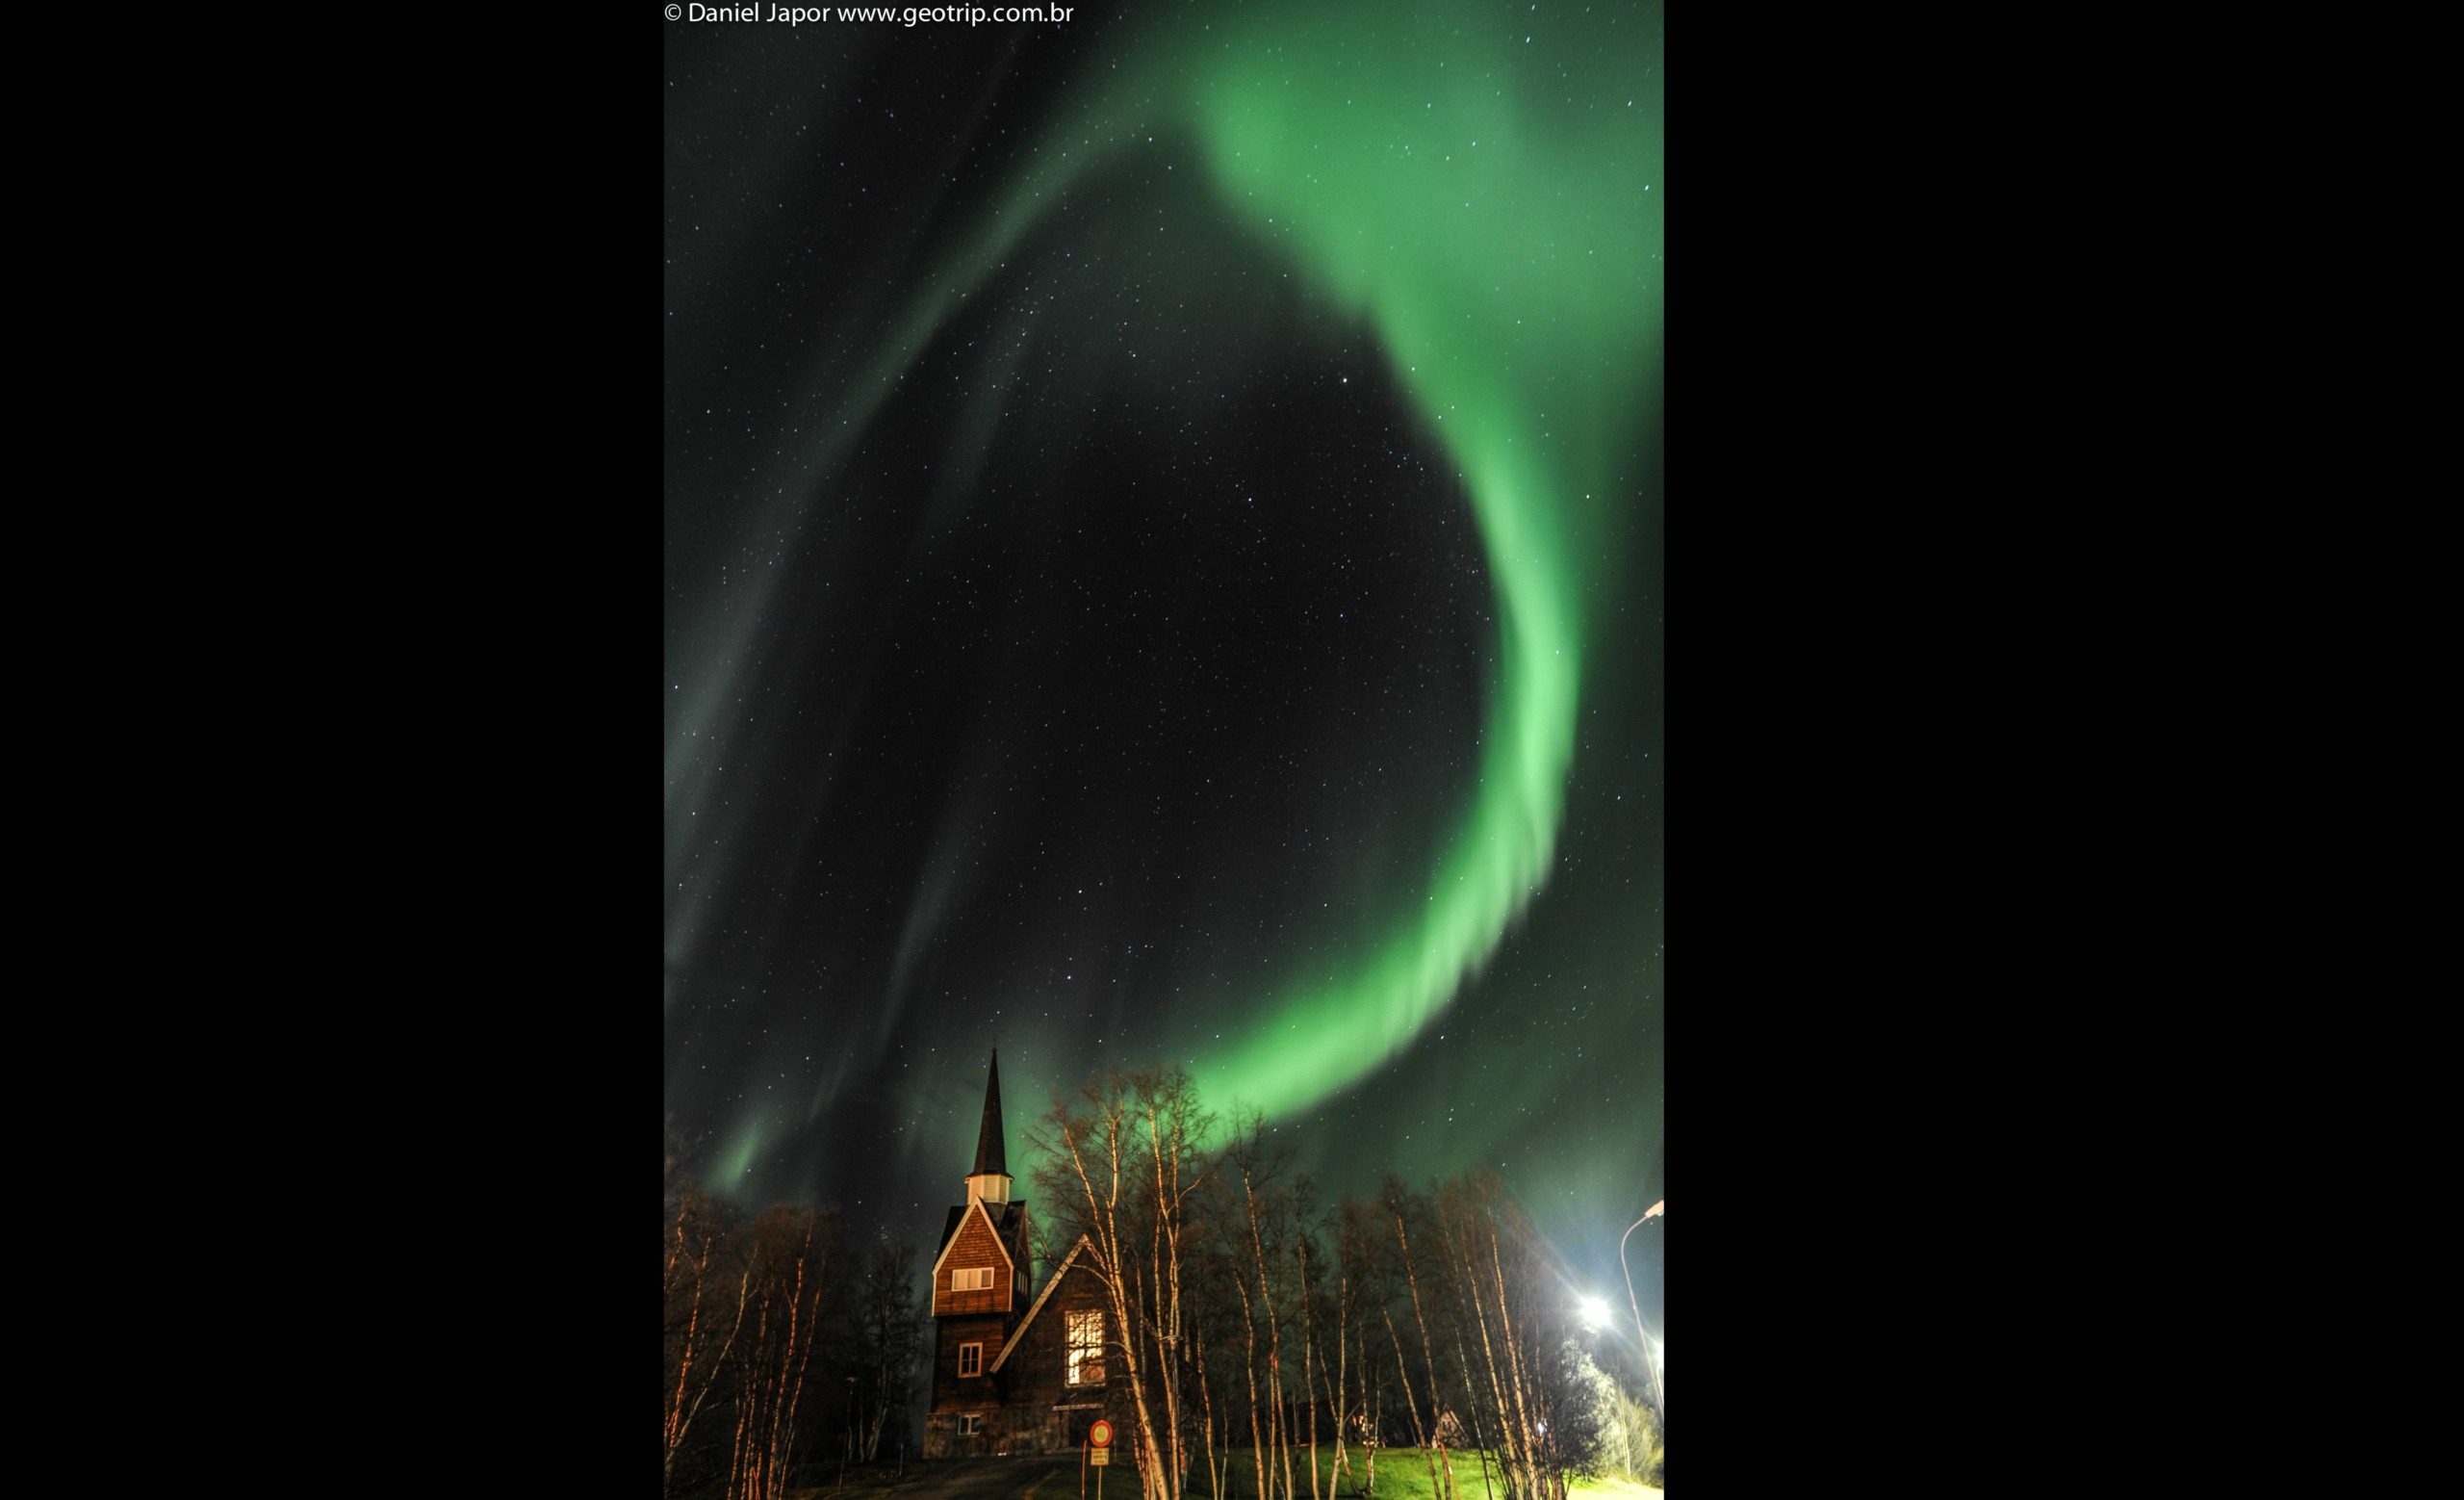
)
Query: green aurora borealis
[
  {"x": 1512, "y": 274},
  {"x": 1480, "y": 208},
  {"x": 1479, "y": 187}
]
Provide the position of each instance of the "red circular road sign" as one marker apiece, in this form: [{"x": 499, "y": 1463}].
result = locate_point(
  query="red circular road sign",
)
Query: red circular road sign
[{"x": 1101, "y": 1433}]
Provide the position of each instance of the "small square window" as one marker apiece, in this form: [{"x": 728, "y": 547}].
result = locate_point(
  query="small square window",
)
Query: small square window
[
  {"x": 970, "y": 1425},
  {"x": 970, "y": 1359}
]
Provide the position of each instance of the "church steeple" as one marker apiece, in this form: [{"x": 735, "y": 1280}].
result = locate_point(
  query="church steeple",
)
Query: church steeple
[{"x": 991, "y": 1179}]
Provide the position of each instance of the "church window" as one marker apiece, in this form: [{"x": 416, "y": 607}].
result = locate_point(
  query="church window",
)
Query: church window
[
  {"x": 1087, "y": 1347},
  {"x": 970, "y": 1359}
]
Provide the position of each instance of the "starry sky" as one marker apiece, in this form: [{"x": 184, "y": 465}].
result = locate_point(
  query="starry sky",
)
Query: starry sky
[{"x": 1162, "y": 563}]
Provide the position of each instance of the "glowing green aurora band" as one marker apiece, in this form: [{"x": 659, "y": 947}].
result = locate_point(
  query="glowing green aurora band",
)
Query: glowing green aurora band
[{"x": 1481, "y": 183}]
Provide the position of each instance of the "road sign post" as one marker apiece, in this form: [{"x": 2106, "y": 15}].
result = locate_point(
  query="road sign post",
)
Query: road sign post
[{"x": 1099, "y": 1452}]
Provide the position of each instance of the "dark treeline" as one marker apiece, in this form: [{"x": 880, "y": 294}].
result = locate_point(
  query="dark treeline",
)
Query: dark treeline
[
  {"x": 782, "y": 1348},
  {"x": 1261, "y": 1335}
]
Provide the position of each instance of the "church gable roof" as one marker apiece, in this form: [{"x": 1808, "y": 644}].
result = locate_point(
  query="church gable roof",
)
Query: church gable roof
[
  {"x": 1049, "y": 1287},
  {"x": 1000, "y": 1241},
  {"x": 1009, "y": 1223}
]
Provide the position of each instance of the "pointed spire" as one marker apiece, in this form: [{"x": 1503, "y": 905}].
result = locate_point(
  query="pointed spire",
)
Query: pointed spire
[{"x": 988, "y": 1160}]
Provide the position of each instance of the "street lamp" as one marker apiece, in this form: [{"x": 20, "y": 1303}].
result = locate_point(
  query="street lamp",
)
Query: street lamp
[{"x": 1651, "y": 1346}]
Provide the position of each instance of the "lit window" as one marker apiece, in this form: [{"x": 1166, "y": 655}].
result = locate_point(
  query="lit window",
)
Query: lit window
[
  {"x": 1087, "y": 1347},
  {"x": 971, "y": 1281},
  {"x": 970, "y": 1359}
]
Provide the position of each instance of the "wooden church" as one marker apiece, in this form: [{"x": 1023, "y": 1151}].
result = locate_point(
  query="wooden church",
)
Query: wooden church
[{"x": 1010, "y": 1375}]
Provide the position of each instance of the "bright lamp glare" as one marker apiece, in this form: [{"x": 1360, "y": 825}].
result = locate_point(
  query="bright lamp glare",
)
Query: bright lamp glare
[{"x": 1595, "y": 1312}]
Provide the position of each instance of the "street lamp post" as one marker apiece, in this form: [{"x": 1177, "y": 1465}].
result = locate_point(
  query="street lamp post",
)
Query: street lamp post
[{"x": 1657, "y": 1210}]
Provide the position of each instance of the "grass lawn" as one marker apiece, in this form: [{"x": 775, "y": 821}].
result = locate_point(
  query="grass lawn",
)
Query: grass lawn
[
  {"x": 1402, "y": 1474},
  {"x": 1579, "y": 1486}
]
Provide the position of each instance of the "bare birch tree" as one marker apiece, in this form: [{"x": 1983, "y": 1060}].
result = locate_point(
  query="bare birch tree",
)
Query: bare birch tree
[
  {"x": 1396, "y": 1199},
  {"x": 1257, "y": 1162},
  {"x": 1302, "y": 1236},
  {"x": 792, "y": 1254},
  {"x": 703, "y": 1313}
]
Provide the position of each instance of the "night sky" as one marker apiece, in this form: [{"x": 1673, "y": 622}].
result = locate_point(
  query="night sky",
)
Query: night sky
[{"x": 1162, "y": 563}]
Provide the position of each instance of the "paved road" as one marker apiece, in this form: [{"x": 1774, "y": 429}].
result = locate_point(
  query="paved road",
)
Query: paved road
[{"x": 986, "y": 1479}]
